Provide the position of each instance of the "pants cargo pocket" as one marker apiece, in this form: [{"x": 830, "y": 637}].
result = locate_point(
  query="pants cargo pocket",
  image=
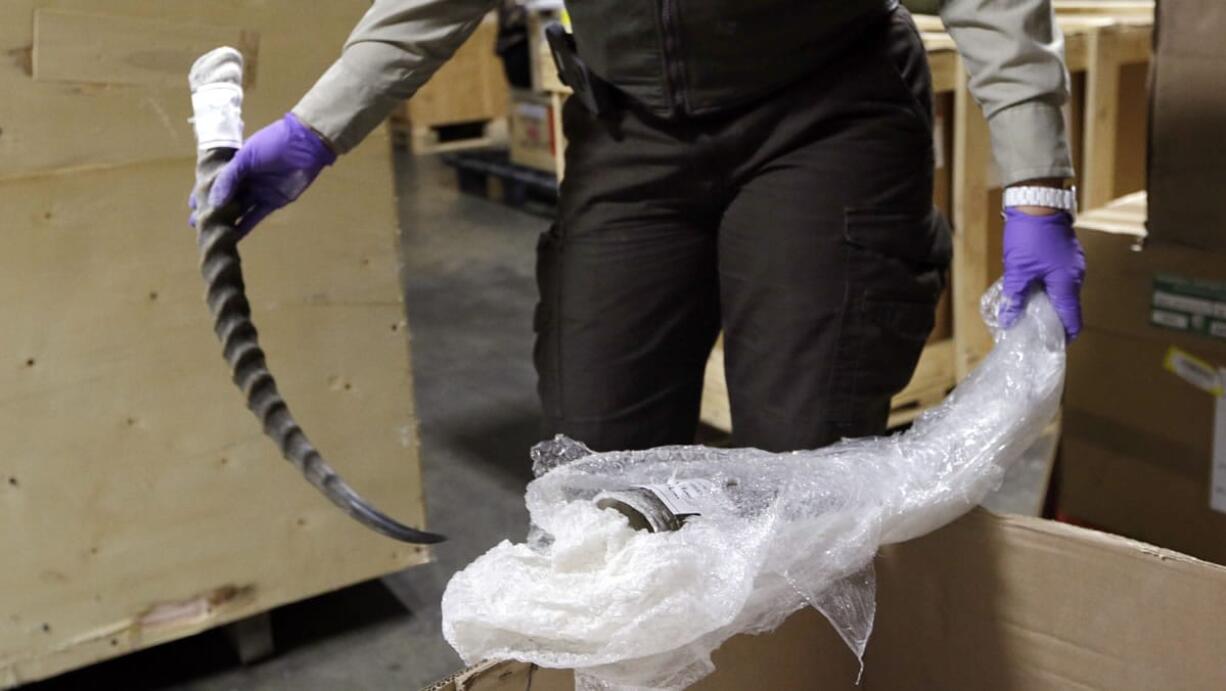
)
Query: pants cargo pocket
[{"x": 897, "y": 264}]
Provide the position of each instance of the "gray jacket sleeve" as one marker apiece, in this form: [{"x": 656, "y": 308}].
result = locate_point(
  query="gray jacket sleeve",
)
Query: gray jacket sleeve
[
  {"x": 392, "y": 51},
  {"x": 1014, "y": 51}
]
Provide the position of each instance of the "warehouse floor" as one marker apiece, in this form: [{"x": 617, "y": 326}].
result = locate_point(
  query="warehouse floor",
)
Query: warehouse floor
[{"x": 470, "y": 290}]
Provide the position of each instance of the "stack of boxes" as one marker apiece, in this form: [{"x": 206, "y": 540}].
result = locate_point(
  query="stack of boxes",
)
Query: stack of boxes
[{"x": 1144, "y": 447}]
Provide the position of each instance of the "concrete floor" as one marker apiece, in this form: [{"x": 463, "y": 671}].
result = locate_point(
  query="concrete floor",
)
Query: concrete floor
[{"x": 470, "y": 289}]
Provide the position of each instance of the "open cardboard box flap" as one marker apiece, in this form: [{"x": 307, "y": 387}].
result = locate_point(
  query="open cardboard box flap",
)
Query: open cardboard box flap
[{"x": 989, "y": 602}]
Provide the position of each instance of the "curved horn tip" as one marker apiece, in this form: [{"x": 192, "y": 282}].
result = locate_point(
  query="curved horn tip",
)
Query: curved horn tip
[{"x": 220, "y": 65}]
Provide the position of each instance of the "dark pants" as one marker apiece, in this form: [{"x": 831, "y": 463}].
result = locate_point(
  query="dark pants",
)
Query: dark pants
[{"x": 802, "y": 224}]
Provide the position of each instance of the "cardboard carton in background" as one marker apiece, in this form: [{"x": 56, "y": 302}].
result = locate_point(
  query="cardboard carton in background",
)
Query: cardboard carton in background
[
  {"x": 1144, "y": 441},
  {"x": 1187, "y": 156}
]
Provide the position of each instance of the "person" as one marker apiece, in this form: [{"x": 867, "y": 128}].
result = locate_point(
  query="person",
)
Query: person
[{"x": 764, "y": 166}]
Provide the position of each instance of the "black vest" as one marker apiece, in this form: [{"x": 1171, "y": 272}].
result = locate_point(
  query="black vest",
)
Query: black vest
[{"x": 697, "y": 56}]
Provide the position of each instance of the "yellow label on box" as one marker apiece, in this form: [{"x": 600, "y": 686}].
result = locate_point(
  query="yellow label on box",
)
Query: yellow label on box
[{"x": 1194, "y": 370}]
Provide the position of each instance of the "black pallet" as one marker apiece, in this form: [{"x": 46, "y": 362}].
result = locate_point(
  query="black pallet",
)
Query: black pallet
[{"x": 517, "y": 186}]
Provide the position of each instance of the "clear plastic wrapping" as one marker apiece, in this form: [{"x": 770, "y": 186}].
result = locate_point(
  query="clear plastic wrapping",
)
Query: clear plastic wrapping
[{"x": 632, "y": 609}]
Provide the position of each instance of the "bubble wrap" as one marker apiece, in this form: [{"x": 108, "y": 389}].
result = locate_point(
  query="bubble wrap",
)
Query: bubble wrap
[{"x": 636, "y": 610}]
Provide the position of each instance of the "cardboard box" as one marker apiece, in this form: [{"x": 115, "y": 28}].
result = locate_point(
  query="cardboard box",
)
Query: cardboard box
[
  {"x": 1125, "y": 268},
  {"x": 536, "y": 130},
  {"x": 1144, "y": 439},
  {"x": 1138, "y": 448},
  {"x": 987, "y": 602},
  {"x": 1187, "y": 156}
]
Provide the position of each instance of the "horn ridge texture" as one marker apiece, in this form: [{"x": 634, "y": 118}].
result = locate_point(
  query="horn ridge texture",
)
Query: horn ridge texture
[{"x": 221, "y": 268}]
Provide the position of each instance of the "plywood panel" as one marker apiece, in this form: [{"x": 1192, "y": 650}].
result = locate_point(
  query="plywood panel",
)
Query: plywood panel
[
  {"x": 134, "y": 476},
  {"x": 470, "y": 87},
  {"x": 139, "y": 501},
  {"x": 86, "y": 125},
  {"x": 110, "y": 49}
]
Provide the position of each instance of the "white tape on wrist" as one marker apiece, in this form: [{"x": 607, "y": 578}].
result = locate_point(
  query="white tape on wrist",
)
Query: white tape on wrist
[{"x": 218, "y": 116}]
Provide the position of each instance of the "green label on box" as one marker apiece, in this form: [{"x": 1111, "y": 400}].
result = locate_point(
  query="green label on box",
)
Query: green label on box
[{"x": 1188, "y": 304}]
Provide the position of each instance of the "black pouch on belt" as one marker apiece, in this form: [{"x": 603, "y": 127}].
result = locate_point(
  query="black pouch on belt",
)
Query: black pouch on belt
[{"x": 593, "y": 92}]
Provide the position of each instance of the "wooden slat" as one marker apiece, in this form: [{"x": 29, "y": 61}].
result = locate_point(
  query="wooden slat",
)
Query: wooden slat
[
  {"x": 1076, "y": 51},
  {"x": 928, "y": 23},
  {"x": 935, "y": 39},
  {"x": 1111, "y": 8},
  {"x": 1116, "y": 119},
  {"x": 1135, "y": 42},
  {"x": 933, "y": 378},
  {"x": 1102, "y": 90},
  {"x": 556, "y": 100},
  {"x": 972, "y": 208},
  {"x": 944, "y": 66},
  {"x": 544, "y": 71},
  {"x": 119, "y": 50},
  {"x": 470, "y": 87},
  {"x": 716, "y": 410},
  {"x": 1124, "y": 215}
]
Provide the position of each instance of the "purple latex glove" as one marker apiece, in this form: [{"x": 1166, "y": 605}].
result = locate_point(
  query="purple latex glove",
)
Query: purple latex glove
[
  {"x": 273, "y": 168},
  {"x": 1043, "y": 251}
]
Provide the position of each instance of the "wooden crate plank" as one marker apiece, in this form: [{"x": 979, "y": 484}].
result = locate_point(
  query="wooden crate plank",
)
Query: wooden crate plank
[
  {"x": 1076, "y": 49},
  {"x": 144, "y": 503},
  {"x": 1124, "y": 215},
  {"x": 469, "y": 87},
  {"x": 1111, "y": 8},
  {"x": 118, "y": 50},
  {"x": 944, "y": 66},
  {"x": 556, "y": 100},
  {"x": 1117, "y": 117},
  {"x": 716, "y": 410},
  {"x": 972, "y": 211},
  {"x": 86, "y": 126},
  {"x": 934, "y": 376},
  {"x": 544, "y": 71},
  {"x": 1097, "y": 178},
  {"x": 1135, "y": 42},
  {"x": 426, "y": 140}
]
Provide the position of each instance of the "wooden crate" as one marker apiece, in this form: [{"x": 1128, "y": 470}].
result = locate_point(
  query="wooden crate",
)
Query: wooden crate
[
  {"x": 139, "y": 500},
  {"x": 471, "y": 87}
]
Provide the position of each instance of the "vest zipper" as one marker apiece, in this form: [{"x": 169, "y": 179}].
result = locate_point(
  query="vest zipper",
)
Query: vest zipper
[{"x": 673, "y": 66}]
